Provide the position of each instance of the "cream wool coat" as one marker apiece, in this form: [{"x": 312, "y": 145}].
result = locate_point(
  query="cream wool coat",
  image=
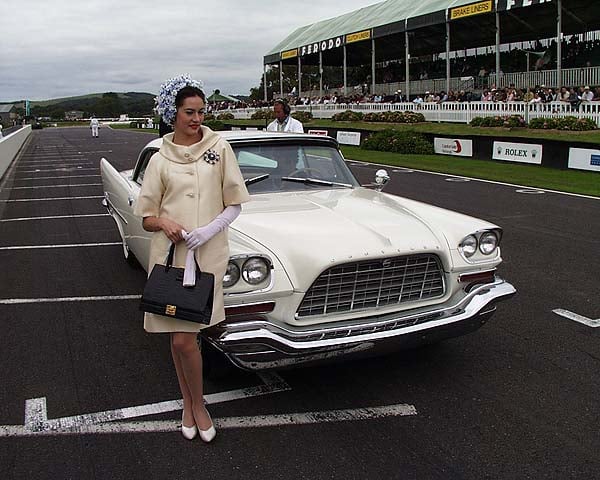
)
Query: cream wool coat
[{"x": 191, "y": 186}]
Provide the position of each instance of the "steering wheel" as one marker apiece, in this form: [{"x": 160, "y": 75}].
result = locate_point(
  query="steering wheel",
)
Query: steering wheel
[{"x": 310, "y": 172}]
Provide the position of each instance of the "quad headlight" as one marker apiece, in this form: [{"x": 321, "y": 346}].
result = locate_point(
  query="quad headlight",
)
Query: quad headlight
[
  {"x": 469, "y": 246},
  {"x": 255, "y": 270},
  {"x": 232, "y": 275},
  {"x": 486, "y": 241}
]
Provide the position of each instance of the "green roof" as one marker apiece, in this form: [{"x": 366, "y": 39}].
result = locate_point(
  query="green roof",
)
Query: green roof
[{"x": 380, "y": 14}]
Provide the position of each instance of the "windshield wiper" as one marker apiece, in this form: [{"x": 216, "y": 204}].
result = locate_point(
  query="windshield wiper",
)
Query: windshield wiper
[
  {"x": 260, "y": 178},
  {"x": 315, "y": 181}
]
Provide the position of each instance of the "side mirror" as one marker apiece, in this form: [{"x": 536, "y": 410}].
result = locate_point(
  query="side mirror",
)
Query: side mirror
[{"x": 381, "y": 179}]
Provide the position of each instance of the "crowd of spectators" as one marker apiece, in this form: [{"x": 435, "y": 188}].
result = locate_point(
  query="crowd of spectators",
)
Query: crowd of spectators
[{"x": 542, "y": 56}]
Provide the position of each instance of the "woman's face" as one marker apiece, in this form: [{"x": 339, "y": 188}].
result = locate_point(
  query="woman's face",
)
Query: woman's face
[{"x": 189, "y": 116}]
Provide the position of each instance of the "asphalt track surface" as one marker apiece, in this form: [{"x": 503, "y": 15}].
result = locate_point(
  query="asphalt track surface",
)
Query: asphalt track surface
[{"x": 517, "y": 399}]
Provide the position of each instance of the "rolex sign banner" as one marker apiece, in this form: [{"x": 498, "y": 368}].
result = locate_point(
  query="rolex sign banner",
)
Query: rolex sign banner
[{"x": 518, "y": 152}]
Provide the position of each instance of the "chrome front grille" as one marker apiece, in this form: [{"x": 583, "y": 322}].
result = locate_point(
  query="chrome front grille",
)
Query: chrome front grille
[{"x": 374, "y": 283}]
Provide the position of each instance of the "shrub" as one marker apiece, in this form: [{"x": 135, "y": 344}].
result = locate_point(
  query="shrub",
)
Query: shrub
[
  {"x": 214, "y": 124},
  {"x": 226, "y": 116},
  {"x": 566, "y": 123},
  {"x": 133, "y": 124},
  {"x": 302, "y": 116},
  {"x": 348, "y": 116},
  {"x": 514, "y": 121},
  {"x": 398, "y": 142},
  {"x": 394, "y": 117},
  {"x": 263, "y": 114},
  {"x": 208, "y": 117}
]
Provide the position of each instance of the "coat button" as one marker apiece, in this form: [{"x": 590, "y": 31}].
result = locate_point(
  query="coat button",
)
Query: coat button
[
  {"x": 186, "y": 155},
  {"x": 191, "y": 195}
]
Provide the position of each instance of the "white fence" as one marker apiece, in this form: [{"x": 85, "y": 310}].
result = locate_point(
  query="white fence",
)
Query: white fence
[
  {"x": 571, "y": 77},
  {"x": 458, "y": 112}
]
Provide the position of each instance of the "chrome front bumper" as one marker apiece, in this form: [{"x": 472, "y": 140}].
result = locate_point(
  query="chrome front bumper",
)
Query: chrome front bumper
[{"x": 259, "y": 345}]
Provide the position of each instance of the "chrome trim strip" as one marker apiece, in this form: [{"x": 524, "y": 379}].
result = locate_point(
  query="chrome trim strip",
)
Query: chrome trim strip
[
  {"x": 111, "y": 209},
  {"x": 290, "y": 341}
]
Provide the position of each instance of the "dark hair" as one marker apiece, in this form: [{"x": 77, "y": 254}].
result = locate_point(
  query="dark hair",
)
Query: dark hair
[
  {"x": 286, "y": 107},
  {"x": 186, "y": 92}
]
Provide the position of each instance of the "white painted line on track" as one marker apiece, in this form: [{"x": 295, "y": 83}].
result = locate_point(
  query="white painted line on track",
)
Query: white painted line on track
[
  {"x": 60, "y": 160},
  {"x": 278, "y": 420},
  {"x": 59, "y": 176},
  {"x": 71, "y": 164},
  {"x": 50, "y": 199},
  {"x": 66, "y": 169},
  {"x": 57, "y": 186},
  {"x": 577, "y": 318},
  {"x": 54, "y": 217},
  {"x": 457, "y": 179},
  {"x": 379, "y": 165},
  {"x": 530, "y": 191},
  {"x": 99, "y": 298},
  {"x": 37, "y": 422},
  {"x": 67, "y": 245}
]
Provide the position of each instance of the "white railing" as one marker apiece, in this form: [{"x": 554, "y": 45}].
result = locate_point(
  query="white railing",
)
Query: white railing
[
  {"x": 571, "y": 77},
  {"x": 457, "y": 112}
]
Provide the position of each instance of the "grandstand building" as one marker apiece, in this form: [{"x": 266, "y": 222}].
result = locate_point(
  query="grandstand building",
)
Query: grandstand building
[{"x": 435, "y": 45}]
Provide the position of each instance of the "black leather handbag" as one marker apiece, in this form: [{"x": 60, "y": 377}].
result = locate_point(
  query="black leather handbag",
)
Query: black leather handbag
[{"x": 164, "y": 293}]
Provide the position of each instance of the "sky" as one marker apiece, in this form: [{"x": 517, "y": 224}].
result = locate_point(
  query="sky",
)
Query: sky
[{"x": 62, "y": 48}]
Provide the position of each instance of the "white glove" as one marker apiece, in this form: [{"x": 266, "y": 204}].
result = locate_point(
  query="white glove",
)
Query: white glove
[{"x": 201, "y": 235}]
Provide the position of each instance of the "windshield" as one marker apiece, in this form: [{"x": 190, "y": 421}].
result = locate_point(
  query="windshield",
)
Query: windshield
[{"x": 282, "y": 161}]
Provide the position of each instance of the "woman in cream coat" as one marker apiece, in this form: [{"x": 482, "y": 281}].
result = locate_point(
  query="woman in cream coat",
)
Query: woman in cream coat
[{"x": 192, "y": 190}]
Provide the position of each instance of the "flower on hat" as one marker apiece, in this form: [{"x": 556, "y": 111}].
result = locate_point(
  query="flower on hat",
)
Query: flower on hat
[{"x": 165, "y": 100}]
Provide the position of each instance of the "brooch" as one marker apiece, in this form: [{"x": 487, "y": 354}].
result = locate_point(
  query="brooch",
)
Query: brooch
[{"x": 211, "y": 157}]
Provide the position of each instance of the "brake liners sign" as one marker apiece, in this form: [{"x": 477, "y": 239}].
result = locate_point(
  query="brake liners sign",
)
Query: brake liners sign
[
  {"x": 289, "y": 54},
  {"x": 358, "y": 36},
  {"x": 473, "y": 9}
]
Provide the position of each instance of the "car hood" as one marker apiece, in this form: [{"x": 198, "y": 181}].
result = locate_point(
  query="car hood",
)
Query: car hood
[{"x": 310, "y": 231}]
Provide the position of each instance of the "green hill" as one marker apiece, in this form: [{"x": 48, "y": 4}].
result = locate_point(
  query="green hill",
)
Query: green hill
[{"x": 108, "y": 104}]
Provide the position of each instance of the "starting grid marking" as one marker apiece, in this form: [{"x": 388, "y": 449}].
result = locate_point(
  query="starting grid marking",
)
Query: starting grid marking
[
  {"x": 66, "y": 245},
  {"x": 50, "y": 199},
  {"x": 594, "y": 323},
  {"x": 55, "y": 217},
  {"x": 36, "y": 422}
]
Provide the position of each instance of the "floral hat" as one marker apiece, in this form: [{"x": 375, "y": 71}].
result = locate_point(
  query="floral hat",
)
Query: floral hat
[{"x": 165, "y": 101}]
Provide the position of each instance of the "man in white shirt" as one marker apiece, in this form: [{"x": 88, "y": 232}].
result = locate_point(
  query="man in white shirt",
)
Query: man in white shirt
[
  {"x": 94, "y": 125},
  {"x": 587, "y": 95},
  {"x": 284, "y": 122}
]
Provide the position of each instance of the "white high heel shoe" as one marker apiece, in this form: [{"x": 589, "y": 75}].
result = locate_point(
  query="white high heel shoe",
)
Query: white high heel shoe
[
  {"x": 208, "y": 435},
  {"x": 188, "y": 432}
]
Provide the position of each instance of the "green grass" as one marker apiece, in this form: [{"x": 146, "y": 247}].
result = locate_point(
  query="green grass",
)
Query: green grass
[
  {"x": 450, "y": 129},
  {"x": 586, "y": 183}
]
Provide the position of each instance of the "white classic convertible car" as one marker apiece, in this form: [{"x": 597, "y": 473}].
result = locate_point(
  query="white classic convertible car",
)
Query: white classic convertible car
[{"x": 323, "y": 268}]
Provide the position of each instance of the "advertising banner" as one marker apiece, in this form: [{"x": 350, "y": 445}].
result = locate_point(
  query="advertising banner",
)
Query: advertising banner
[
  {"x": 318, "y": 132},
  {"x": 321, "y": 46},
  {"x": 348, "y": 138},
  {"x": 584, "y": 159},
  {"x": 453, "y": 146},
  {"x": 518, "y": 152},
  {"x": 472, "y": 9},
  {"x": 289, "y": 54},
  {"x": 358, "y": 36},
  {"x": 510, "y": 4}
]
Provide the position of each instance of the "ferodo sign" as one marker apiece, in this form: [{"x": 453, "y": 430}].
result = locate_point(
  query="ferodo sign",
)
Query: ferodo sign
[
  {"x": 322, "y": 46},
  {"x": 518, "y": 152},
  {"x": 453, "y": 146},
  {"x": 510, "y": 4}
]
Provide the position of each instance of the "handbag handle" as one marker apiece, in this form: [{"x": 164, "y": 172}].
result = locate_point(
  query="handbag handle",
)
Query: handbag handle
[{"x": 171, "y": 256}]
